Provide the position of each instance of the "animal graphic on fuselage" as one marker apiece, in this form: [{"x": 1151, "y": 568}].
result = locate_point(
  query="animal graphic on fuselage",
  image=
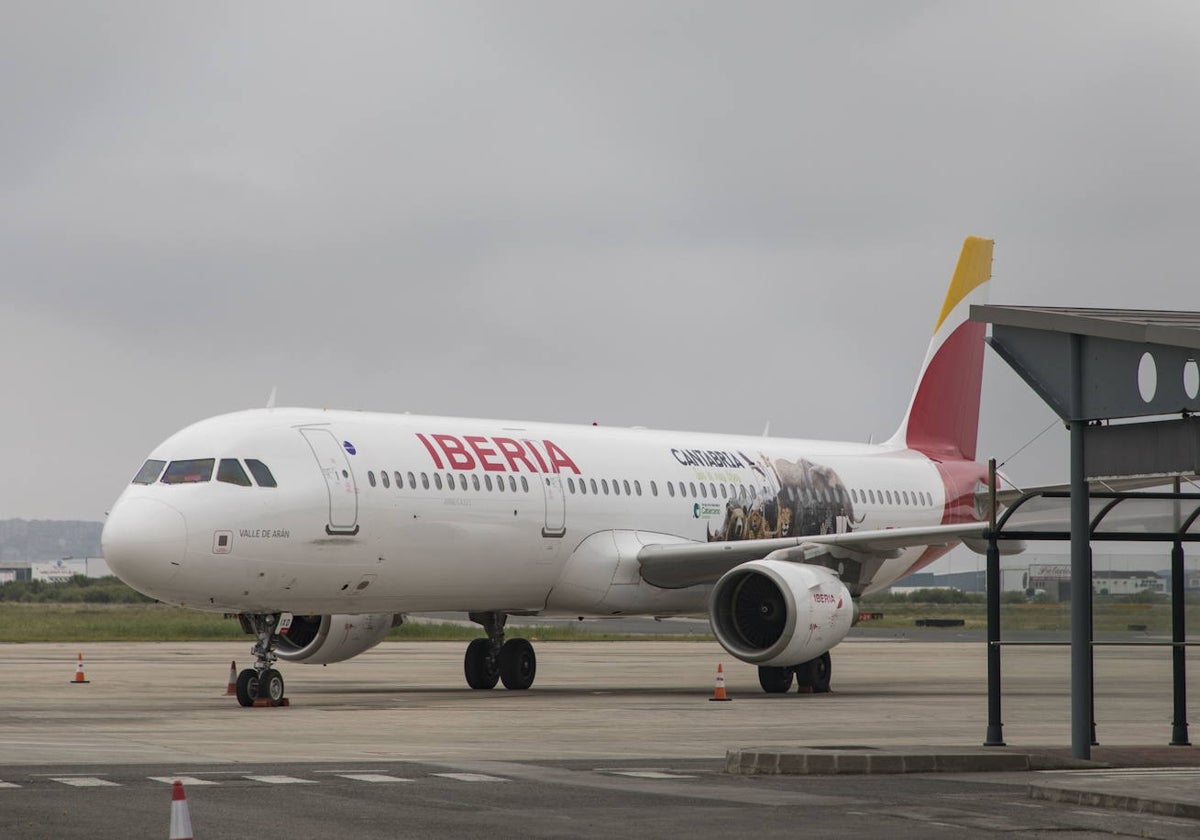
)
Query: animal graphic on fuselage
[{"x": 812, "y": 499}]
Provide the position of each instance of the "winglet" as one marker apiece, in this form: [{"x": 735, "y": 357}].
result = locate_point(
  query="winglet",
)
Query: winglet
[{"x": 942, "y": 420}]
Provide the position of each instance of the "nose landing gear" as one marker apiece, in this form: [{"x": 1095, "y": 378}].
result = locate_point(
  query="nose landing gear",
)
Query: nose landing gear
[{"x": 261, "y": 685}]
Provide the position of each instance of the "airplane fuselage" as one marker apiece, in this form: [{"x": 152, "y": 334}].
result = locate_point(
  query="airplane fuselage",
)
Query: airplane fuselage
[{"x": 378, "y": 513}]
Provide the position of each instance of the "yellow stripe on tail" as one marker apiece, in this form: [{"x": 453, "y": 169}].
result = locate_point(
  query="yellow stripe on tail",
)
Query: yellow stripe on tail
[{"x": 973, "y": 270}]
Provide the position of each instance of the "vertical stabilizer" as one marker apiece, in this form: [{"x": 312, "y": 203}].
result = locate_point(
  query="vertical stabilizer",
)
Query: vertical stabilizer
[{"x": 942, "y": 420}]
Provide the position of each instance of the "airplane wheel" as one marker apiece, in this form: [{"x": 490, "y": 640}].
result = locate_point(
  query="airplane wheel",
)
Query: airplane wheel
[
  {"x": 478, "y": 670},
  {"x": 270, "y": 685},
  {"x": 815, "y": 673},
  {"x": 518, "y": 664},
  {"x": 775, "y": 680},
  {"x": 247, "y": 687}
]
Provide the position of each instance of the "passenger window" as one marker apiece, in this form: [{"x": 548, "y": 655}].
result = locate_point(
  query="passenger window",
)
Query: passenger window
[
  {"x": 888, "y": 495},
  {"x": 595, "y": 490},
  {"x": 399, "y": 479},
  {"x": 872, "y": 492},
  {"x": 189, "y": 472},
  {"x": 653, "y": 488},
  {"x": 616, "y": 487},
  {"x": 500, "y": 483},
  {"x": 512, "y": 484},
  {"x": 411, "y": 481},
  {"x": 475, "y": 480},
  {"x": 425, "y": 481},
  {"x": 437, "y": 480},
  {"x": 582, "y": 487},
  {"x": 524, "y": 484},
  {"x": 487, "y": 481},
  {"x": 637, "y": 487},
  {"x": 571, "y": 484},
  {"x": 383, "y": 476},
  {"x": 604, "y": 485},
  {"x": 905, "y": 494},
  {"x": 462, "y": 481},
  {"x": 371, "y": 477},
  {"x": 703, "y": 490},
  {"x": 723, "y": 496},
  {"x": 712, "y": 489},
  {"x": 671, "y": 489},
  {"x": 149, "y": 472},
  {"x": 692, "y": 485},
  {"x": 231, "y": 472}
]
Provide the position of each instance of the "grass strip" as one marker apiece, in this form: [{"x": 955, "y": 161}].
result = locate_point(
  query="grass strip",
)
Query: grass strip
[{"x": 40, "y": 622}]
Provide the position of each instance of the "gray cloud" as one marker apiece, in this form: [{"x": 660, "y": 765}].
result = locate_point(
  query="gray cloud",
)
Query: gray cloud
[{"x": 672, "y": 214}]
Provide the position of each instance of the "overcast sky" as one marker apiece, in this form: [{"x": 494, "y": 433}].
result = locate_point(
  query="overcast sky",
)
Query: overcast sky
[{"x": 679, "y": 215}]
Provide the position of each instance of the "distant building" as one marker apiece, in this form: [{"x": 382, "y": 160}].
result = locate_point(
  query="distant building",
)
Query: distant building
[
  {"x": 52, "y": 571},
  {"x": 1126, "y": 583}
]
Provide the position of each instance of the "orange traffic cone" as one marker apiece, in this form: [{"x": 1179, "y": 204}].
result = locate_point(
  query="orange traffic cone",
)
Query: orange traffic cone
[
  {"x": 181, "y": 820},
  {"x": 231, "y": 689},
  {"x": 719, "y": 690},
  {"x": 79, "y": 677}
]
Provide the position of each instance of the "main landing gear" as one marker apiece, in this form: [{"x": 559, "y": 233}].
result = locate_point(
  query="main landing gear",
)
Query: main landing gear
[
  {"x": 811, "y": 677},
  {"x": 493, "y": 660},
  {"x": 262, "y": 682}
]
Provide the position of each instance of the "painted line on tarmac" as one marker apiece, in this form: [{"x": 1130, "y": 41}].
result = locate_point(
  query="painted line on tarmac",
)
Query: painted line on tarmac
[
  {"x": 649, "y": 774},
  {"x": 190, "y": 781},
  {"x": 375, "y": 778},
  {"x": 83, "y": 781},
  {"x": 470, "y": 777},
  {"x": 280, "y": 780}
]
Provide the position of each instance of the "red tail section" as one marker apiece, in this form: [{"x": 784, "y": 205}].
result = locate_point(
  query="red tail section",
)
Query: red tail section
[{"x": 943, "y": 417}]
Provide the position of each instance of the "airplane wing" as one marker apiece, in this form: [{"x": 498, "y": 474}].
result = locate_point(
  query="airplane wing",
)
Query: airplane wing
[{"x": 676, "y": 565}]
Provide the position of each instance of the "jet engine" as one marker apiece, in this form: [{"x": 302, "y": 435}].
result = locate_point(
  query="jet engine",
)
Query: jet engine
[
  {"x": 321, "y": 639},
  {"x": 774, "y": 613}
]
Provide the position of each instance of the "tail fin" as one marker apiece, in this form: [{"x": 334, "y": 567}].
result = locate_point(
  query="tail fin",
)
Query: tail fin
[{"x": 942, "y": 420}]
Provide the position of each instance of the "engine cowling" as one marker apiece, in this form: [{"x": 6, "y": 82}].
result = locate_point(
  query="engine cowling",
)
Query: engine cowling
[
  {"x": 321, "y": 639},
  {"x": 779, "y": 613}
]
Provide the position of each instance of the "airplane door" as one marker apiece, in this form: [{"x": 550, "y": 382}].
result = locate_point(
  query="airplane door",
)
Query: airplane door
[
  {"x": 339, "y": 481},
  {"x": 556, "y": 507}
]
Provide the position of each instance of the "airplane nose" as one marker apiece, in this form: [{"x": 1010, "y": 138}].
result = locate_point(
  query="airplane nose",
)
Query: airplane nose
[{"x": 144, "y": 542}]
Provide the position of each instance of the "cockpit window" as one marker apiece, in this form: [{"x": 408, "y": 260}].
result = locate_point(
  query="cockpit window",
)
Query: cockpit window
[
  {"x": 260, "y": 472},
  {"x": 189, "y": 472},
  {"x": 149, "y": 472},
  {"x": 231, "y": 472}
]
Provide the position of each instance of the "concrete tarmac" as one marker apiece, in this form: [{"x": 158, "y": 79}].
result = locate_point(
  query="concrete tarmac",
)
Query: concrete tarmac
[{"x": 161, "y": 710}]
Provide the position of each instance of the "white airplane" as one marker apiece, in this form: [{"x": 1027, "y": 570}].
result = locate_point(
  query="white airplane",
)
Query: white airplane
[{"x": 321, "y": 529}]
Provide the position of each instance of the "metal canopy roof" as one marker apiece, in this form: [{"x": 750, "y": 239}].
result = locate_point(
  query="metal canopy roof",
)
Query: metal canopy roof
[
  {"x": 1100, "y": 364},
  {"x": 1141, "y": 326}
]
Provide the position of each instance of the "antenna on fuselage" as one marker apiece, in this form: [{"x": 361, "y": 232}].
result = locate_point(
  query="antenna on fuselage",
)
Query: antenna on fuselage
[
  {"x": 271, "y": 398},
  {"x": 767, "y": 429}
]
